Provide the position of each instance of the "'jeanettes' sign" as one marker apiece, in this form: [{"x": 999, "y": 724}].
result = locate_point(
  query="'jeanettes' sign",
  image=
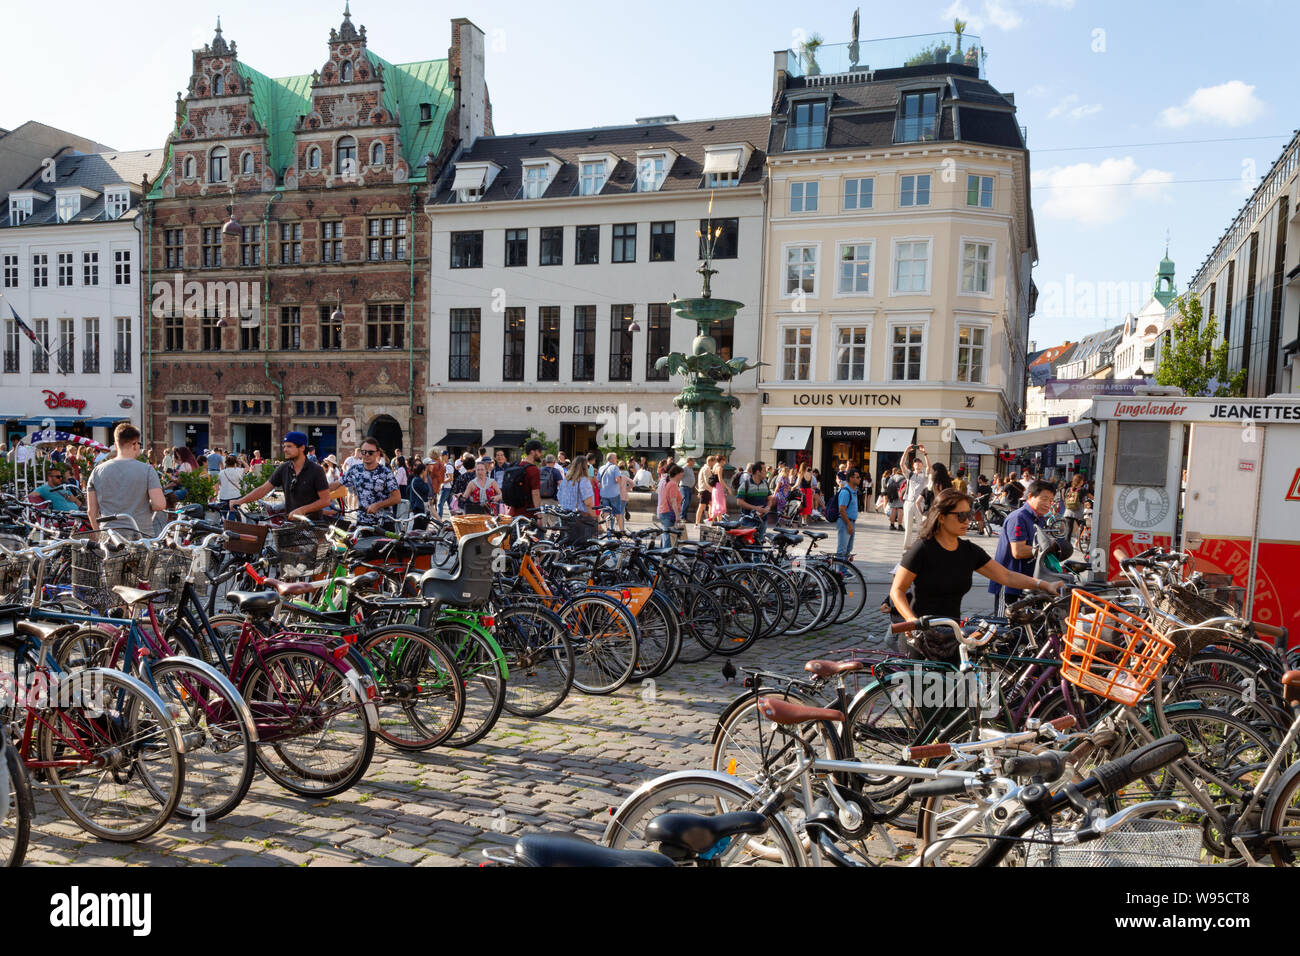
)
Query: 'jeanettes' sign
[{"x": 61, "y": 400}]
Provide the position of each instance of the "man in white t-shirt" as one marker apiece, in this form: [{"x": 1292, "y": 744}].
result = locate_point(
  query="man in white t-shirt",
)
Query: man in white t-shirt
[
  {"x": 688, "y": 486},
  {"x": 643, "y": 480}
]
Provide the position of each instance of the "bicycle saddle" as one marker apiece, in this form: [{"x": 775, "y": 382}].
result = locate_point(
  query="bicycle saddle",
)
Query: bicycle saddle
[
  {"x": 815, "y": 535},
  {"x": 134, "y": 596},
  {"x": 788, "y": 713},
  {"x": 696, "y": 834},
  {"x": 831, "y": 668},
  {"x": 548, "y": 850},
  {"x": 571, "y": 568},
  {"x": 254, "y": 603}
]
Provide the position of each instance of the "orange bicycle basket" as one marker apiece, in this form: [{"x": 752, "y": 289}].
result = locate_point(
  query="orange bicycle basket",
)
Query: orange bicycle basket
[{"x": 1110, "y": 651}]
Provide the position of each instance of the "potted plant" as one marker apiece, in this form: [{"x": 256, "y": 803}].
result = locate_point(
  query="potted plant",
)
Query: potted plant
[
  {"x": 959, "y": 27},
  {"x": 973, "y": 57},
  {"x": 809, "y": 50},
  {"x": 941, "y": 52}
]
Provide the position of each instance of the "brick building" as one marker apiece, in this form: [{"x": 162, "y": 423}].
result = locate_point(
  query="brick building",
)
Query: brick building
[{"x": 286, "y": 274}]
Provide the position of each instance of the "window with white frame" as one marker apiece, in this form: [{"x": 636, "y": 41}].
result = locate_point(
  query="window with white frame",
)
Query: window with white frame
[
  {"x": 65, "y": 268},
  {"x": 906, "y": 345},
  {"x": 217, "y": 164},
  {"x": 313, "y": 158},
  {"x": 650, "y": 173},
  {"x": 855, "y": 269},
  {"x": 378, "y": 155},
  {"x": 971, "y": 345},
  {"x": 803, "y": 196},
  {"x": 246, "y": 164},
  {"x": 536, "y": 179},
  {"x": 188, "y": 167},
  {"x": 116, "y": 203},
  {"x": 40, "y": 270},
  {"x": 975, "y": 258},
  {"x": 592, "y": 178},
  {"x": 69, "y": 206},
  {"x": 90, "y": 268},
  {"x": 801, "y": 270},
  {"x": 979, "y": 191},
  {"x": 721, "y": 180},
  {"x": 914, "y": 190},
  {"x": 10, "y": 271},
  {"x": 858, "y": 193},
  {"x": 20, "y": 210},
  {"x": 912, "y": 266},
  {"x": 796, "y": 353},
  {"x": 122, "y": 267},
  {"x": 851, "y": 353}
]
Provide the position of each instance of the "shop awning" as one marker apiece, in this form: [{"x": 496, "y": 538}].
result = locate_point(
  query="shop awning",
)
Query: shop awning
[
  {"x": 462, "y": 438},
  {"x": 1034, "y": 437},
  {"x": 505, "y": 438},
  {"x": 895, "y": 439},
  {"x": 792, "y": 437},
  {"x": 972, "y": 442},
  {"x": 58, "y": 422},
  {"x": 106, "y": 421}
]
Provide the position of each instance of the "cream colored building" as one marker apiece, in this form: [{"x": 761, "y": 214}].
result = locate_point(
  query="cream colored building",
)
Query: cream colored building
[{"x": 897, "y": 282}]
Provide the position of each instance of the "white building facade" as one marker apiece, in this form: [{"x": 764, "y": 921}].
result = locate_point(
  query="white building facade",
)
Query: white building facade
[
  {"x": 70, "y": 255},
  {"x": 554, "y": 258}
]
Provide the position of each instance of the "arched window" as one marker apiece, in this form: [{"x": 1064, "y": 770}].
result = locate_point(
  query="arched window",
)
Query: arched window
[
  {"x": 247, "y": 165},
  {"x": 347, "y": 157},
  {"x": 345, "y": 72},
  {"x": 218, "y": 85},
  {"x": 217, "y": 164},
  {"x": 189, "y": 167},
  {"x": 313, "y": 158},
  {"x": 377, "y": 154}
]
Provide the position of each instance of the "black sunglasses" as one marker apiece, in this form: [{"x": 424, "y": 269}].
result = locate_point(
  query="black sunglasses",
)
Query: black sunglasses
[{"x": 963, "y": 516}]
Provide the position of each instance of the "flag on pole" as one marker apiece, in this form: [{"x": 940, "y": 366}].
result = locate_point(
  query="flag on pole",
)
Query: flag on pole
[{"x": 27, "y": 329}]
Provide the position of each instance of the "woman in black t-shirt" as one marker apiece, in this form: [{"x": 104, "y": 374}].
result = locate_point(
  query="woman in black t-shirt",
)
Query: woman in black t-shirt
[{"x": 938, "y": 568}]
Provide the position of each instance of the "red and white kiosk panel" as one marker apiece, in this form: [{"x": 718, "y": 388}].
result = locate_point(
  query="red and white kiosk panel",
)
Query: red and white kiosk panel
[{"x": 1239, "y": 505}]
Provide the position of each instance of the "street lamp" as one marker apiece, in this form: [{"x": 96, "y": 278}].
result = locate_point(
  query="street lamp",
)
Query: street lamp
[
  {"x": 231, "y": 227},
  {"x": 337, "y": 315}
]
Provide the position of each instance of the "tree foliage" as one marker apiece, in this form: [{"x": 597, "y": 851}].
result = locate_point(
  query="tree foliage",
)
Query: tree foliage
[{"x": 1195, "y": 360}]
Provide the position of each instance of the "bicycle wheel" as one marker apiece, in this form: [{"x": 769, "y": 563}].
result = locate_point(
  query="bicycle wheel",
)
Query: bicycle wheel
[
  {"x": 741, "y": 618},
  {"x": 882, "y": 721},
  {"x": 765, "y": 588},
  {"x": 604, "y": 639},
  {"x": 811, "y": 609},
  {"x": 127, "y": 771},
  {"x": 751, "y": 749},
  {"x": 539, "y": 659},
  {"x": 16, "y": 808},
  {"x": 1283, "y": 819},
  {"x": 658, "y": 637},
  {"x": 707, "y": 794},
  {"x": 421, "y": 691},
  {"x": 314, "y": 736},
  {"x": 218, "y": 737},
  {"x": 483, "y": 672},
  {"x": 835, "y": 592},
  {"x": 855, "y": 588},
  {"x": 702, "y": 623}
]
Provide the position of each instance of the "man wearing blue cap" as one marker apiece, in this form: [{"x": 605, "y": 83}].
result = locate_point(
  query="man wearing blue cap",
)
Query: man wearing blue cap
[{"x": 306, "y": 489}]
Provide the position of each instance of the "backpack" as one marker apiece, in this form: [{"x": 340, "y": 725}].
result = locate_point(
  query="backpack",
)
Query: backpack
[
  {"x": 514, "y": 487},
  {"x": 550, "y": 484},
  {"x": 832, "y": 507}
]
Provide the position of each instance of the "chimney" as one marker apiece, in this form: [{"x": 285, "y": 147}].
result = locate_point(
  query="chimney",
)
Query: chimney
[
  {"x": 780, "y": 72},
  {"x": 465, "y": 58}
]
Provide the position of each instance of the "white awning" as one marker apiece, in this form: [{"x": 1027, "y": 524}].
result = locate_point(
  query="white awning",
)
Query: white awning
[
  {"x": 470, "y": 177},
  {"x": 894, "y": 439},
  {"x": 972, "y": 442},
  {"x": 1050, "y": 435},
  {"x": 722, "y": 161},
  {"x": 792, "y": 438}
]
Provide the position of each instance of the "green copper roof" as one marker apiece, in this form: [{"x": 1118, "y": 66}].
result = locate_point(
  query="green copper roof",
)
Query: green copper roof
[
  {"x": 406, "y": 86},
  {"x": 278, "y": 102}
]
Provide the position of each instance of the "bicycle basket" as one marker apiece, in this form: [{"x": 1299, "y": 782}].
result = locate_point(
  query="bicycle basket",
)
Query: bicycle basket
[
  {"x": 1109, "y": 651},
  {"x": 1189, "y": 608},
  {"x": 15, "y": 577},
  {"x": 304, "y": 549},
  {"x": 168, "y": 568},
  {"x": 246, "y": 547},
  {"x": 712, "y": 534},
  {"x": 1159, "y": 843},
  {"x": 95, "y": 574}
]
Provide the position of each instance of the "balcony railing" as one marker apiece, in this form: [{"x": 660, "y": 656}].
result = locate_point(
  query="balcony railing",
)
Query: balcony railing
[
  {"x": 11, "y": 361},
  {"x": 90, "y": 360},
  {"x": 121, "y": 361},
  {"x": 64, "y": 357},
  {"x": 927, "y": 48}
]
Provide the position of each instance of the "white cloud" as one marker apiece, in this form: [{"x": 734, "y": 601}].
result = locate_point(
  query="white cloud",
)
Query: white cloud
[
  {"x": 1097, "y": 193},
  {"x": 1069, "y": 106},
  {"x": 1002, "y": 14},
  {"x": 1229, "y": 104},
  {"x": 1038, "y": 89}
]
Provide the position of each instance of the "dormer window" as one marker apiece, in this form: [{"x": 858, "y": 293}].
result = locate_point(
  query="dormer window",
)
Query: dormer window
[
  {"x": 345, "y": 72},
  {"x": 218, "y": 85},
  {"x": 20, "y": 209},
  {"x": 116, "y": 203},
  {"x": 217, "y": 164},
  {"x": 918, "y": 117},
  {"x": 724, "y": 164},
  {"x": 592, "y": 176},
  {"x": 473, "y": 179},
  {"x": 69, "y": 206},
  {"x": 426, "y": 112},
  {"x": 652, "y": 169},
  {"x": 807, "y": 127},
  {"x": 538, "y": 174}
]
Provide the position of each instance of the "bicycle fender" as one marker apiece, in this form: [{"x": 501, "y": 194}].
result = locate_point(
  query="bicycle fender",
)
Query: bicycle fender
[
  {"x": 222, "y": 681},
  {"x": 1270, "y": 805},
  {"x": 140, "y": 687}
]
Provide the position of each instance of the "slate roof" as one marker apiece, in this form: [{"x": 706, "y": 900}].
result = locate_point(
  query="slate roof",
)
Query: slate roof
[
  {"x": 688, "y": 139},
  {"x": 93, "y": 171}
]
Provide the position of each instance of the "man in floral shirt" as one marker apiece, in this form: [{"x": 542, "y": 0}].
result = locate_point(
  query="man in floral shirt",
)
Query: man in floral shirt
[{"x": 372, "y": 482}]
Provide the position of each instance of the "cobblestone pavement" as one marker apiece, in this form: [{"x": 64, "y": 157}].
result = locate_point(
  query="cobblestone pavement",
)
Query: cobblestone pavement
[{"x": 561, "y": 773}]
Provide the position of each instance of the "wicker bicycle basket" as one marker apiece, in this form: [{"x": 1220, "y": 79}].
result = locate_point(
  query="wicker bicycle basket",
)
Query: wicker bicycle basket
[
  {"x": 1109, "y": 651},
  {"x": 1189, "y": 608},
  {"x": 305, "y": 550},
  {"x": 472, "y": 524}
]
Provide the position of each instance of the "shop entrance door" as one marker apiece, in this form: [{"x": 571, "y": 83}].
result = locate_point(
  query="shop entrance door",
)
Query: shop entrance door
[{"x": 578, "y": 438}]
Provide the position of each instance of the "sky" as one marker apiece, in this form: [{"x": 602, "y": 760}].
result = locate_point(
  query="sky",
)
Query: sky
[{"x": 1145, "y": 120}]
